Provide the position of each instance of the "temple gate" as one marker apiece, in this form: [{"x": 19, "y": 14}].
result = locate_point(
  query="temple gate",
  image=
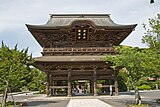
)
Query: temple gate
[{"x": 73, "y": 48}]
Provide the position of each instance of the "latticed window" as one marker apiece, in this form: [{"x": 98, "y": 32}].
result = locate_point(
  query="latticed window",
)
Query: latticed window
[{"x": 81, "y": 34}]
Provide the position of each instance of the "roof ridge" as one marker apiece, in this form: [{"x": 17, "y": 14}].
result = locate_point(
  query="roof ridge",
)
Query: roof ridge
[{"x": 78, "y": 15}]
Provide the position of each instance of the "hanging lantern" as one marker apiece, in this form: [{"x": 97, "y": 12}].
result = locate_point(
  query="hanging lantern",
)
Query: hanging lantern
[{"x": 152, "y": 1}]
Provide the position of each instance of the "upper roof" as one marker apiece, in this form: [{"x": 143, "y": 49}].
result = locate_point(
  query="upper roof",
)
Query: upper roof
[{"x": 64, "y": 20}]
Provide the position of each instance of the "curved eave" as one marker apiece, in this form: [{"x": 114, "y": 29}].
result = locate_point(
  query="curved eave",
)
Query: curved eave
[
  {"x": 46, "y": 27},
  {"x": 69, "y": 59}
]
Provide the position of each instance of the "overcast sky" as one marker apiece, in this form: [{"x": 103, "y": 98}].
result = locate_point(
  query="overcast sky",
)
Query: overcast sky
[{"x": 14, "y": 14}]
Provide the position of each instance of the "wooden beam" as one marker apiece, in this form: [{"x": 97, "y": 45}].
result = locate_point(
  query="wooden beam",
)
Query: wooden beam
[
  {"x": 59, "y": 71},
  {"x": 54, "y": 87},
  {"x": 65, "y": 72},
  {"x": 81, "y": 77},
  {"x": 105, "y": 77},
  {"x": 60, "y": 78},
  {"x": 82, "y": 73},
  {"x": 107, "y": 86}
]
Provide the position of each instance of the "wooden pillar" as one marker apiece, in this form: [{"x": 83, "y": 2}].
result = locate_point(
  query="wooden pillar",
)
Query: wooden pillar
[
  {"x": 53, "y": 84},
  {"x": 116, "y": 83},
  {"x": 91, "y": 87},
  {"x": 48, "y": 84},
  {"x": 69, "y": 84},
  {"x": 106, "y": 86},
  {"x": 95, "y": 82}
]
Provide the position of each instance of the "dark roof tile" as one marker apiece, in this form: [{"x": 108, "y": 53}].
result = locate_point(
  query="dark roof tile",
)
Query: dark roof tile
[{"x": 64, "y": 20}]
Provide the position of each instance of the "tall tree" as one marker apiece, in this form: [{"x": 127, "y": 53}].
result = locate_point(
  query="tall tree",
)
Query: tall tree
[
  {"x": 38, "y": 81},
  {"x": 152, "y": 33},
  {"x": 133, "y": 59},
  {"x": 13, "y": 66},
  {"x": 152, "y": 39}
]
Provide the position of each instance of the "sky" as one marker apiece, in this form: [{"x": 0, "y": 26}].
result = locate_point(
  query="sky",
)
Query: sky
[{"x": 14, "y": 14}]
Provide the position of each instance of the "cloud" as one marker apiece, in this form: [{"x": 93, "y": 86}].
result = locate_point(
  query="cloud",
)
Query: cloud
[{"x": 16, "y": 13}]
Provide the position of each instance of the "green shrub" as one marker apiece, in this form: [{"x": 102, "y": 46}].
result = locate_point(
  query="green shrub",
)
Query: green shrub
[
  {"x": 32, "y": 86},
  {"x": 24, "y": 89},
  {"x": 152, "y": 85},
  {"x": 122, "y": 86},
  {"x": 12, "y": 104},
  {"x": 144, "y": 87}
]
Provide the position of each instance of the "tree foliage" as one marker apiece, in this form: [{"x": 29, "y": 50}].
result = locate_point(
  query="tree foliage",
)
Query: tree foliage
[
  {"x": 152, "y": 33},
  {"x": 152, "y": 39},
  {"x": 140, "y": 63},
  {"x": 135, "y": 61},
  {"x": 14, "y": 68},
  {"x": 37, "y": 81}
]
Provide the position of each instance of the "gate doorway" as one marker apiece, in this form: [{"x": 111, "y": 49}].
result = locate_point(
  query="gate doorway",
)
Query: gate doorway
[{"x": 81, "y": 87}]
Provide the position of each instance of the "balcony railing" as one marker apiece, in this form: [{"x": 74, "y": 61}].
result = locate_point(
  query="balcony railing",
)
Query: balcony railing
[{"x": 78, "y": 51}]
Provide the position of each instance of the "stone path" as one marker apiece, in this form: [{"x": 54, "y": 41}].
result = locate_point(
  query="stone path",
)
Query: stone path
[
  {"x": 124, "y": 98},
  {"x": 87, "y": 103}
]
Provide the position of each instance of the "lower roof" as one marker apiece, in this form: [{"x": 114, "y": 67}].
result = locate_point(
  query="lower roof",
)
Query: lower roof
[{"x": 68, "y": 58}]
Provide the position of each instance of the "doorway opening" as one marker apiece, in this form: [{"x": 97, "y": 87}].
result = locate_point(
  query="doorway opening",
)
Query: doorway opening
[{"x": 81, "y": 87}]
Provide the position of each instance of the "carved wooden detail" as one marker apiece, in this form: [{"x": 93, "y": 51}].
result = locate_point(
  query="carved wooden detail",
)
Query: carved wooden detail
[
  {"x": 78, "y": 51},
  {"x": 68, "y": 38},
  {"x": 40, "y": 36},
  {"x": 78, "y": 69}
]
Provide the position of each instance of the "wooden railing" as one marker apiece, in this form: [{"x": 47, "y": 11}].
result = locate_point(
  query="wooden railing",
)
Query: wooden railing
[{"x": 74, "y": 51}]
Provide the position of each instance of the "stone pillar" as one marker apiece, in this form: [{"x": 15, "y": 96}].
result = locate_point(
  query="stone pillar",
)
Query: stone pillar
[
  {"x": 69, "y": 84},
  {"x": 95, "y": 82},
  {"x": 116, "y": 84}
]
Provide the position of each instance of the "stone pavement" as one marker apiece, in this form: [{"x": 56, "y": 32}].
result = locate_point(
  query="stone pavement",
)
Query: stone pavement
[
  {"x": 87, "y": 103},
  {"x": 124, "y": 98}
]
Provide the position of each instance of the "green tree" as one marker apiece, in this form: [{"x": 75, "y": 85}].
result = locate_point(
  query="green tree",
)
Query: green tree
[
  {"x": 14, "y": 65},
  {"x": 152, "y": 39},
  {"x": 152, "y": 33},
  {"x": 134, "y": 61},
  {"x": 38, "y": 81}
]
